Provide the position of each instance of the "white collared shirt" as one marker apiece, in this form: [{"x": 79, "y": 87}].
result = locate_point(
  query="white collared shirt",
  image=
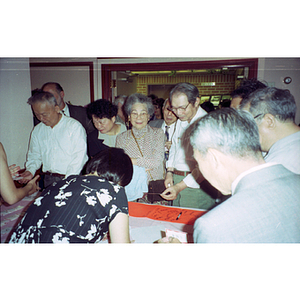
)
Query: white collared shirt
[
  {"x": 61, "y": 149},
  {"x": 171, "y": 130},
  {"x": 177, "y": 159},
  {"x": 66, "y": 110}
]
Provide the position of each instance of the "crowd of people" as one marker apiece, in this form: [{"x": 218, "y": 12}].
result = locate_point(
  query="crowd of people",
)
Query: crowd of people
[{"x": 240, "y": 163}]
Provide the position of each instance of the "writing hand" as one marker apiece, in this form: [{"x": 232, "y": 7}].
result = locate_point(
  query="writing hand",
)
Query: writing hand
[
  {"x": 14, "y": 170},
  {"x": 27, "y": 176},
  {"x": 34, "y": 183},
  {"x": 170, "y": 193},
  {"x": 169, "y": 240}
]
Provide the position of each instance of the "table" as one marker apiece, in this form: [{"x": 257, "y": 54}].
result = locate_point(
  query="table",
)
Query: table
[
  {"x": 147, "y": 222},
  {"x": 11, "y": 215}
]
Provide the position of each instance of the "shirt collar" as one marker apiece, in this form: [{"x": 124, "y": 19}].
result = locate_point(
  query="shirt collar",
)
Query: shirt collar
[{"x": 238, "y": 179}]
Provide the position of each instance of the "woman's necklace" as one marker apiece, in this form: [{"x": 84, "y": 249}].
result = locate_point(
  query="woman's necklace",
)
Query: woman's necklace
[{"x": 138, "y": 137}]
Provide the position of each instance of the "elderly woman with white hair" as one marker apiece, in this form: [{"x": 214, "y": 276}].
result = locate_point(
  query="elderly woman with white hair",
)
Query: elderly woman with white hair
[{"x": 143, "y": 144}]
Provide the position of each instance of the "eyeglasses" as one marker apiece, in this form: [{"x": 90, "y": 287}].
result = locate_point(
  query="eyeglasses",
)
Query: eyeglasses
[
  {"x": 259, "y": 115},
  {"x": 142, "y": 115},
  {"x": 180, "y": 109}
]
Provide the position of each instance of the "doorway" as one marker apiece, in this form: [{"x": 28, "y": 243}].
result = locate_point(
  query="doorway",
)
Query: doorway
[{"x": 130, "y": 72}]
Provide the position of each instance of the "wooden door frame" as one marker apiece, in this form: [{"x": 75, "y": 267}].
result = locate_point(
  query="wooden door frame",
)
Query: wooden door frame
[{"x": 106, "y": 69}]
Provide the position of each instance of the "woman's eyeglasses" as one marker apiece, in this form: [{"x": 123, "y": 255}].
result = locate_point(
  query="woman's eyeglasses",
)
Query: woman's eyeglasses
[{"x": 142, "y": 115}]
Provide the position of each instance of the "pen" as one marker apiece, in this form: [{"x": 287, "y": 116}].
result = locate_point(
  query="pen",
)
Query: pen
[{"x": 179, "y": 215}]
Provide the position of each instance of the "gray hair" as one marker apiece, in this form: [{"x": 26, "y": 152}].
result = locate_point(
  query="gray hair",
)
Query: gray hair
[
  {"x": 138, "y": 98},
  {"x": 277, "y": 102},
  {"x": 230, "y": 131},
  {"x": 41, "y": 96},
  {"x": 188, "y": 89},
  {"x": 119, "y": 99},
  {"x": 165, "y": 102}
]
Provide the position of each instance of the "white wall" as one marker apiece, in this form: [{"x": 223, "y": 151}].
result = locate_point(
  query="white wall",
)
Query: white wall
[
  {"x": 16, "y": 120},
  {"x": 274, "y": 70},
  {"x": 74, "y": 80}
]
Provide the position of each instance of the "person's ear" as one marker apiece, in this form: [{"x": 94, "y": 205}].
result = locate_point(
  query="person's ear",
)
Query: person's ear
[
  {"x": 270, "y": 121},
  {"x": 62, "y": 94},
  {"x": 197, "y": 102},
  {"x": 214, "y": 156},
  {"x": 57, "y": 109},
  {"x": 113, "y": 119}
]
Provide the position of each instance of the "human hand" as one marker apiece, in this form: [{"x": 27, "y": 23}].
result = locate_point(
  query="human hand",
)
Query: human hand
[
  {"x": 26, "y": 176},
  {"x": 34, "y": 185},
  {"x": 168, "y": 145},
  {"x": 14, "y": 170},
  {"x": 168, "y": 240},
  {"x": 170, "y": 193}
]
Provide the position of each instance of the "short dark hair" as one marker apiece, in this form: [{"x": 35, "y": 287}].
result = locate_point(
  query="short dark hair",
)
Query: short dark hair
[
  {"x": 58, "y": 87},
  {"x": 277, "y": 102},
  {"x": 112, "y": 164},
  {"x": 40, "y": 96},
  {"x": 190, "y": 90},
  {"x": 101, "y": 108},
  {"x": 247, "y": 87}
]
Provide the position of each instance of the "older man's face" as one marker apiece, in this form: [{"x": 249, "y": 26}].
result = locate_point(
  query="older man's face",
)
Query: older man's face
[
  {"x": 47, "y": 113},
  {"x": 58, "y": 96},
  {"x": 263, "y": 130},
  {"x": 169, "y": 116},
  {"x": 213, "y": 172},
  {"x": 181, "y": 106}
]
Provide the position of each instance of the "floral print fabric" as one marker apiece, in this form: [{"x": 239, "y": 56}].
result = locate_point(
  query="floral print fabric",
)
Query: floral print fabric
[{"x": 77, "y": 209}]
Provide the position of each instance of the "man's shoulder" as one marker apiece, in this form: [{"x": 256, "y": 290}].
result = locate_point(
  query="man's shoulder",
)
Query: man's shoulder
[
  {"x": 76, "y": 107},
  {"x": 93, "y": 134},
  {"x": 155, "y": 130},
  {"x": 77, "y": 111},
  {"x": 156, "y": 123},
  {"x": 71, "y": 122},
  {"x": 39, "y": 128}
]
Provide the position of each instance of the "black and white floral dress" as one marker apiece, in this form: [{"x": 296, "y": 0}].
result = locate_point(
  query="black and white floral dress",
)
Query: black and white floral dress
[{"x": 77, "y": 209}]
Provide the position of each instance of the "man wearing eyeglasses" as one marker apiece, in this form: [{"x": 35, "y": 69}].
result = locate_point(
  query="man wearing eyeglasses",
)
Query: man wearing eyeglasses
[
  {"x": 182, "y": 173},
  {"x": 274, "y": 111}
]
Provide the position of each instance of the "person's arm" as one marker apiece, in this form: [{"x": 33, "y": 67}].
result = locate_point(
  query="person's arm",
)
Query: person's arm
[
  {"x": 34, "y": 158},
  {"x": 119, "y": 229},
  {"x": 8, "y": 190},
  {"x": 79, "y": 148},
  {"x": 171, "y": 192}
]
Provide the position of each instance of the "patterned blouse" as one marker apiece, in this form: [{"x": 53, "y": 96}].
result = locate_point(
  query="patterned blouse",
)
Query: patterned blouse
[
  {"x": 77, "y": 209},
  {"x": 152, "y": 144}
]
